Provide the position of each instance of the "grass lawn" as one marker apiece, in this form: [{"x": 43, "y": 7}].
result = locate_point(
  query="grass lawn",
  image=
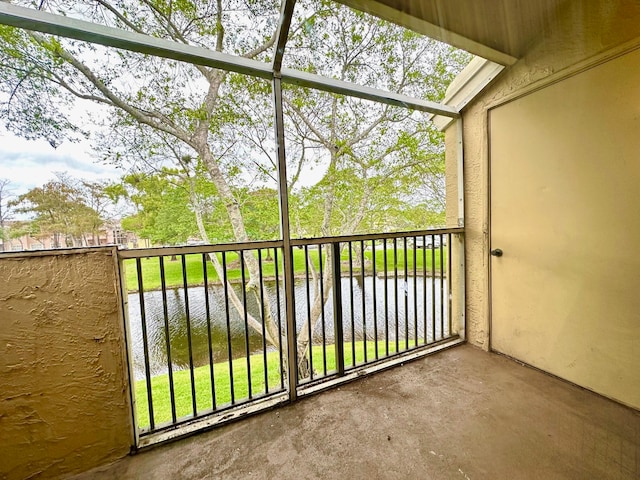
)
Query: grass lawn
[
  {"x": 182, "y": 380},
  {"x": 194, "y": 266}
]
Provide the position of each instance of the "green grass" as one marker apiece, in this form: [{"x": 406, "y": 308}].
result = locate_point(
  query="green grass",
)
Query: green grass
[
  {"x": 182, "y": 387},
  {"x": 173, "y": 268},
  {"x": 182, "y": 380}
]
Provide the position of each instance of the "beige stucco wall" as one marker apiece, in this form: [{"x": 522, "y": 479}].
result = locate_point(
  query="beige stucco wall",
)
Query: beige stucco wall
[
  {"x": 585, "y": 33},
  {"x": 64, "y": 402}
]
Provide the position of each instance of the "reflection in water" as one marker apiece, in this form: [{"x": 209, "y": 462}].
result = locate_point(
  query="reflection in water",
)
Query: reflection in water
[
  {"x": 177, "y": 321},
  {"x": 411, "y": 308}
]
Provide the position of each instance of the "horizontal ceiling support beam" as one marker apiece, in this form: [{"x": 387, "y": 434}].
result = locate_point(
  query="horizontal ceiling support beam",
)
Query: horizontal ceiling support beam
[
  {"x": 31, "y": 19},
  {"x": 304, "y": 79}
]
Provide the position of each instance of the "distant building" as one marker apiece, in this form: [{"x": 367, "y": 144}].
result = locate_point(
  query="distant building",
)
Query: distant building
[{"x": 111, "y": 233}]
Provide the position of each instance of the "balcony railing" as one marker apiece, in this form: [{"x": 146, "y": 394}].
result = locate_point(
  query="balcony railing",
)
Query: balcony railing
[{"x": 207, "y": 325}]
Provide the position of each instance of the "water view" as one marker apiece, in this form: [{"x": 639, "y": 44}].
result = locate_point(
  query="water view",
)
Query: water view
[{"x": 408, "y": 312}]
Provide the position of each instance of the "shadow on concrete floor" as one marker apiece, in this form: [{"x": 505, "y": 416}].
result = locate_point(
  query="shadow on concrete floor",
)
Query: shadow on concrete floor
[{"x": 460, "y": 414}]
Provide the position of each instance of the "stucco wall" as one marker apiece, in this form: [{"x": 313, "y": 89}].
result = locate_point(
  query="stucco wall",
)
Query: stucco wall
[
  {"x": 585, "y": 33},
  {"x": 64, "y": 402}
]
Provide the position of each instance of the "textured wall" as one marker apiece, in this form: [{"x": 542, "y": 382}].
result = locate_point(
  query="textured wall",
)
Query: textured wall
[
  {"x": 585, "y": 32},
  {"x": 64, "y": 402},
  {"x": 452, "y": 216},
  {"x": 451, "y": 173}
]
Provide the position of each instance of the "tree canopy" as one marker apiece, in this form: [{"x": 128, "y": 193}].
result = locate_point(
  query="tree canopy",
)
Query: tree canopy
[
  {"x": 67, "y": 209},
  {"x": 206, "y": 123}
]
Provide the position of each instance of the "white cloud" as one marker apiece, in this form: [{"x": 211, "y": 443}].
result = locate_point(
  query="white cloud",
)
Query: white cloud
[{"x": 28, "y": 164}]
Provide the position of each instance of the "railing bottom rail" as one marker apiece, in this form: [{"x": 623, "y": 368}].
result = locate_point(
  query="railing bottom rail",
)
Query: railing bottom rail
[
  {"x": 378, "y": 366},
  {"x": 216, "y": 419}
]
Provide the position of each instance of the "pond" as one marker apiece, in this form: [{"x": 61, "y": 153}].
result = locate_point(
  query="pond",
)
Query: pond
[{"x": 411, "y": 310}]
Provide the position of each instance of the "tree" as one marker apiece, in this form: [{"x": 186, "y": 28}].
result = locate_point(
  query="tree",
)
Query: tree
[
  {"x": 20, "y": 229},
  {"x": 64, "y": 208},
  {"x": 164, "y": 108},
  {"x": 162, "y": 209}
]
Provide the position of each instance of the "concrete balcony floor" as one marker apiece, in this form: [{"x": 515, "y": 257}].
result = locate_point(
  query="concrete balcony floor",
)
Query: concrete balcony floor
[{"x": 459, "y": 414}]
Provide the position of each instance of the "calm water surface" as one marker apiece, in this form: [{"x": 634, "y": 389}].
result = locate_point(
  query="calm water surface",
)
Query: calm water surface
[{"x": 363, "y": 322}]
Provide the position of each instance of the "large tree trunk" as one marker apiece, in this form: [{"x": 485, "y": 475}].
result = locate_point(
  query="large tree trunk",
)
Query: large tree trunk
[
  {"x": 304, "y": 342},
  {"x": 199, "y": 141},
  {"x": 271, "y": 329}
]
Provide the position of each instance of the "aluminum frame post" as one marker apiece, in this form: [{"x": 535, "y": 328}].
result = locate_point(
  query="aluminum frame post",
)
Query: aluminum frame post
[{"x": 285, "y": 231}]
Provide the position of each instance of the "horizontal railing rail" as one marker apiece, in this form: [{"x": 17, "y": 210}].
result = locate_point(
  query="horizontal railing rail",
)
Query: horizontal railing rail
[
  {"x": 230, "y": 247},
  {"x": 190, "y": 249},
  {"x": 207, "y": 323},
  {"x": 375, "y": 236}
]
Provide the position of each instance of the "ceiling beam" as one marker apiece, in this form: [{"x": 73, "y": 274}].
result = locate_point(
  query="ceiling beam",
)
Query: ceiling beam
[
  {"x": 431, "y": 30},
  {"x": 304, "y": 79},
  {"x": 474, "y": 78},
  {"x": 31, "y": 19}
]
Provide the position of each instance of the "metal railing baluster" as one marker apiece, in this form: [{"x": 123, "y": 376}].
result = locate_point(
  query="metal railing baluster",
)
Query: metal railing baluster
[
  {"x": 386, "y": 298},
  {"x": 279, "y": 315},
  {"x": 192, "y": 377},
  {"x": 165, "y": 315},
  {"x": 396, "y": 297},
  {"x": 225, "y": 282},
  {"x": 441, "y": 289},
  {"x": 322, "y": 312},
  {"x": 433, "y": 288},
  {"x": 264, "y": 324},
  {"x": 424, "y": 289},
  {"x": 310, "y": 331},
  {"x": 375, "y": 294},
  {"x": 415, "y": 293},
  {"x": 449, "y": 280},
  {"x": 364, "y": 309},
  {"x": 351, "y": 308},
  {"x": 406, "y": 294},
  {"x": 245, "y": 316},
  {"x": 337, "y": 309},
  {"x": 207, "y": 306}
]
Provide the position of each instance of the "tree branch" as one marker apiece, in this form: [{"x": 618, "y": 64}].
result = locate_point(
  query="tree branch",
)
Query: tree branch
[
  {"x": 120, "y": 17},
  {"x": 258, "y": 50},
  {"x": 321, "y": 138},
  {"x": 141, "y": 116},
  {"x": 367, "y": 131}
]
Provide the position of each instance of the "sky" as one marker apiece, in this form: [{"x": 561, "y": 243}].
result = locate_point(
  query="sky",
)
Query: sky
[{"x": 28, "y": 163}]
